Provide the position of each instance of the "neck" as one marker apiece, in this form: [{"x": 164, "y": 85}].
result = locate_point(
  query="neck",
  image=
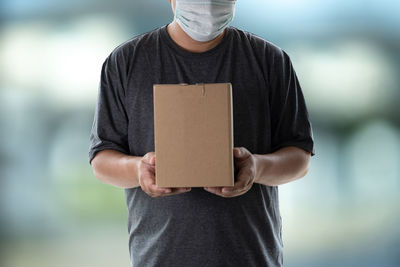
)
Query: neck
[{"x": 184, "y": 41}]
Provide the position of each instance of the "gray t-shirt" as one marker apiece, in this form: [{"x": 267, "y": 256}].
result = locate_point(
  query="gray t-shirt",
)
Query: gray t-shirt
[{"x": 198, "y": 228}]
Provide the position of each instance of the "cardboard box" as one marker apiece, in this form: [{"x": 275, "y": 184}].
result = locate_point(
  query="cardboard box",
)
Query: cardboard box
[{"x": 193, "y": 135}]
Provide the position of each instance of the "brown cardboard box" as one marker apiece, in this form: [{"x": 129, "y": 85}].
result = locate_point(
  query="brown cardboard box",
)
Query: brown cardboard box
[{"x": 193, "y": 135}]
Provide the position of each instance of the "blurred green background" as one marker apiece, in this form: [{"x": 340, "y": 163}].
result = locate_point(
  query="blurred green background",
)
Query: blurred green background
[{"x": 53, "y": 212}]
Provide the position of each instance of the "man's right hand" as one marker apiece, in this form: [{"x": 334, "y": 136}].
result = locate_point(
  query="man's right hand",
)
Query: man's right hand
[{"x": 147, "y": 180}]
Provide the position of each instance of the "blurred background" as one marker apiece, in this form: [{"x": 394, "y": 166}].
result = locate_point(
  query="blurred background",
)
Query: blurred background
[{"x": 53, "y": 212}]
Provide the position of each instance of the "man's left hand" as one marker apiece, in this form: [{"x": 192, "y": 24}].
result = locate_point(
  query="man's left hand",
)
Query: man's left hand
[{"x": 245, "y": 163}]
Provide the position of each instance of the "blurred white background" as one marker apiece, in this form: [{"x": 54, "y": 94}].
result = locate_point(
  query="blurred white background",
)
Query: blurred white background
[{"x": 53, "y": 212}]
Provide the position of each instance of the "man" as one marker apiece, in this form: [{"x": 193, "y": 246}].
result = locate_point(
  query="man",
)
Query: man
[{"x": 220, "y": 226}]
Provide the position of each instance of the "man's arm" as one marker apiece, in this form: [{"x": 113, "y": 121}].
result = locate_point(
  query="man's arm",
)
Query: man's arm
[
  {"x": 124, "y": 171},
  {"x": 115, "y": 168},
  {"x": 282, "y": 166}
]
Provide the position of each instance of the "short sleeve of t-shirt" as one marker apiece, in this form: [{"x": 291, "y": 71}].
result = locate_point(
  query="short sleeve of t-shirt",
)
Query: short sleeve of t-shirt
[
  {"x": 110, "y": 124},
  {"x": 290, "y": 122}
]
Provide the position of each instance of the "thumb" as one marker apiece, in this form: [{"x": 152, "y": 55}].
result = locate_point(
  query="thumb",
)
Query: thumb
[{"x": 237, "y": 152}]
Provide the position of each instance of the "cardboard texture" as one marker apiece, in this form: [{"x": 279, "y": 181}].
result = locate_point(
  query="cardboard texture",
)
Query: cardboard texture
[{"x": 193, "y": 135}]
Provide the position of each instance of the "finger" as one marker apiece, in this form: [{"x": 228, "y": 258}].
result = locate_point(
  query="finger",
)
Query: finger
[
  {"x": 149, "y": 158},
  {"x": 237, "y": 152},
  {"x": 214, "y": 190},
  {"x": 238, "y": 186},
  {"x": 149, "y": 182},
  {"x": 179, "y": 190},
  {"x": 217, "y": 191},
  {"x": 161, "y": 190},
  {"x": 146, "y": 158},
  {"x": 174, "y": 191},
  {"x": 147, "y": 172},
  {"x": 241, "y": 181},
  {"x": 241, "y": 155},
  {"x": 234, "y": 193},
  {"x": 225, "y": 195}
]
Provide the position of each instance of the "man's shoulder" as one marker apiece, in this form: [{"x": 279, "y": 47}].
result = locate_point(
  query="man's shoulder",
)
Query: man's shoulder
[
  {"x": 132, "y": 45},
  {"x": 259, "y": 43}
]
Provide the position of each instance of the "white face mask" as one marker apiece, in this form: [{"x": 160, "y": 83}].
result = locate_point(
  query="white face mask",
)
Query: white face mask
[{"x": 204, "y": 20}]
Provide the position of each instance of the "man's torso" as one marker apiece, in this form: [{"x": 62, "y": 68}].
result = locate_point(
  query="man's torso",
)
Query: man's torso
[{"x": 198, "y": 228}]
